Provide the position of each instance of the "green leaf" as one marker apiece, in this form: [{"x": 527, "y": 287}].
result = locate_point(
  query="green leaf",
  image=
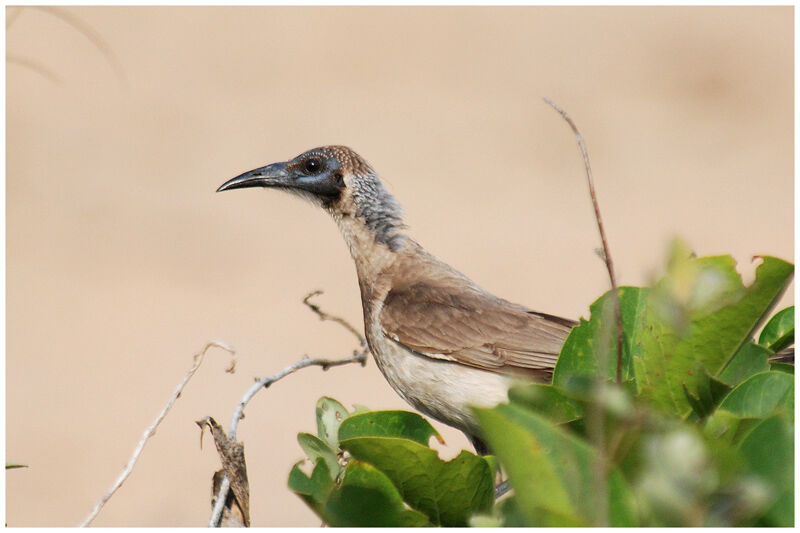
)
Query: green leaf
[
  {"x": 540, "y": 493},
  {"x": 700, "y": 312},
  {"x": 367, "y": 498},
  {"x": 315, "y": 489},
  {"x": 769, "y": 450},
  {"x": 447, "y": 492},
  {"x": 547, "y": 400},
  {"x": 494, "y": 464},
  {"x": 388, "y": 424},
  {"x": 579, "y": 354},
  {"x": 508, "y": 509},
  {"x": 11, "y": 466},
  {"x": 779, "y": 331},
  {"x": 315, "y": 449},
  {"x": 786, "y": 368},
  {"x": 706, "y": 391},
  {"x": 761, "y": 396},
  {"x": 749, "y": 360},
  {"x": 552, "y": 471},
  {"x": 330, "y": 414}
]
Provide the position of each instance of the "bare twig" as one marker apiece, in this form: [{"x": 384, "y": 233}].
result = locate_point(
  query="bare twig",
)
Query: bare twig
[
  {"x": 91, "y": 34},
  {"x": 325, "y": 316},
  {"x": 359, "y": 356},
  {"x": 263, "y": 383},
  {"x": 238, "y": 414},
  {"x": 33, "y": 65},
  {"x": 151, "y": 429},
  {"x": 13, "y": 14},
  {"x": 606, "y": 254}
]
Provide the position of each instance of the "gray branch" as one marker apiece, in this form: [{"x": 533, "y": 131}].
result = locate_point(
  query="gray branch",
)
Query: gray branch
[
  {"x": 151, "y": 429},
  {"x": 263, "y": 383}
]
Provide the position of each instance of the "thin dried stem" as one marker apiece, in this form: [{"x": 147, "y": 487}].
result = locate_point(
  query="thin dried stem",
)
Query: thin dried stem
[
  {"x": 339, "y": 320},
  {"x": 359, "y": 356},
  {"x": 91, "y": 34},
  {"x": 606, "y": 255},
  {"x": 33, "y": 65},
  {"x": 263, "y": 383},
  {"x": 151, "y": 429},
  {"x": 13, "y": 14}
]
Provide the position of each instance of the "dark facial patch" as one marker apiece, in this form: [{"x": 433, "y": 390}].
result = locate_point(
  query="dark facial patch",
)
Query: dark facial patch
[{"x": 318, "y": 173}]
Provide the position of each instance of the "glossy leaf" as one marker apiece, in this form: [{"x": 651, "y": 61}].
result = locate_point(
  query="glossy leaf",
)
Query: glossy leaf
[
  {"x": 447, "y": 492},
  {"x": 779, "y": 331},
  {"x": 769, "y": 450},
  {"x": 786, "y": 368},
  {"x": 388, "y": 424},
  {"x": 761, "y": 396},
  {"x": 367, "y": 498},
  {"x": 749, "y": 360}
]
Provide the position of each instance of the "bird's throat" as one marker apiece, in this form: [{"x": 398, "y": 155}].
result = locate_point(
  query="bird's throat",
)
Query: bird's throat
[{"x": 370, "y": 255}]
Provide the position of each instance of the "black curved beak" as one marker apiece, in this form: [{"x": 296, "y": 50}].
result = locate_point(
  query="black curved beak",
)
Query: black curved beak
[{"x": 274, "y": 175}]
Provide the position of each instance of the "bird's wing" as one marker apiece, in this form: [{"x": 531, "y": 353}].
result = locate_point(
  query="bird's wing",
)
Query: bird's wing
[{"x": 453, "y": 319}]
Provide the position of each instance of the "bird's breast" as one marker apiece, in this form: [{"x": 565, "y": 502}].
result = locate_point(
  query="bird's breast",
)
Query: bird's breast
[{"x": 438, "y": 388}]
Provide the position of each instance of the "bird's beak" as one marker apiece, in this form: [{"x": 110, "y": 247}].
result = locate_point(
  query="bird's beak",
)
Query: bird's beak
[{"x": 274, "y": 175}]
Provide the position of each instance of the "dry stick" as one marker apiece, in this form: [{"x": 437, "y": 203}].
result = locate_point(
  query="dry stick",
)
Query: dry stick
[
  {"x": 151, "y": 429},
  {"x": 606, "y": 253},
  {"x": 325, "y": 316},
  {"x": 12, "y": 16},
  {"x": 33, "y": 65},
  {"x": 595, "y": 422},
  {"x": 90, "y": 33},
  {"x": 263, "y": 383}
]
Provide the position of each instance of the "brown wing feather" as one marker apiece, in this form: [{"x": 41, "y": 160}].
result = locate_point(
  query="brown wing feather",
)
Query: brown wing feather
[{"x": 449, "y": 317}]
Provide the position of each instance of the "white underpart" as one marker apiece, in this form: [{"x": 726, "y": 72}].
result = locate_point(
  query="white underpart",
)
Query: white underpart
[{"x": 437, "y": 387}]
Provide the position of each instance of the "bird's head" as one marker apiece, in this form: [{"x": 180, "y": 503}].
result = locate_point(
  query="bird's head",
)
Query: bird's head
[{"x": 337, "y": 179}]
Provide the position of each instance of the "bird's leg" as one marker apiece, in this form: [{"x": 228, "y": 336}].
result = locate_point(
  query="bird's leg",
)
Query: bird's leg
[{"x": 501, "y": 489}]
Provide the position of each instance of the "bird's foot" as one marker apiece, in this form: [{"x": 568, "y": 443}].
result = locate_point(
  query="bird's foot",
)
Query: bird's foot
[{"x": 502, "y": 488}]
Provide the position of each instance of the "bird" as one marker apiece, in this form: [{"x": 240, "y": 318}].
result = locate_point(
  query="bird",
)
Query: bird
[{"x": 441, "y": 341}]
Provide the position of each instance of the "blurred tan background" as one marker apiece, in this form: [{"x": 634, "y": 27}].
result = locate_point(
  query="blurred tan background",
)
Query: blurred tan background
[{"x": 122, "y": 262}]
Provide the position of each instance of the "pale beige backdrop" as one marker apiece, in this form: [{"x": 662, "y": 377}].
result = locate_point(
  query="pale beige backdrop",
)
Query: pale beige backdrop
[{"x": 122, "y": 262}]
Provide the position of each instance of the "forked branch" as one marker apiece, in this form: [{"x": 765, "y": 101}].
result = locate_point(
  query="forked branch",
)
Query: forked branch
[
  {"x": 151, "y": 429},
  {"x": 359, "y": 356}
]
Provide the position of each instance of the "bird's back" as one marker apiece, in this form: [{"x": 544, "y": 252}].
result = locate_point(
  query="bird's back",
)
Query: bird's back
[{"x": 438, "y": 312}]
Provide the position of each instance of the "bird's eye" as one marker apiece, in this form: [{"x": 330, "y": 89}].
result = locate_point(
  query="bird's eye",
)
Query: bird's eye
[{"x": 312, "y": 165}]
